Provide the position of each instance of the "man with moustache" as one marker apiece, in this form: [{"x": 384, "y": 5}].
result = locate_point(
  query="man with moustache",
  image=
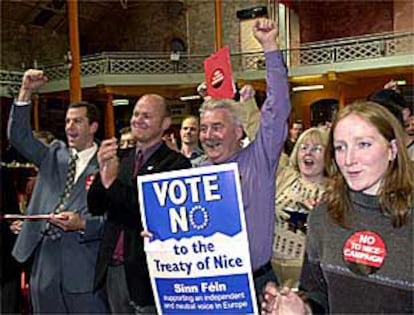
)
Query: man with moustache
[{"x": 220, "y": 134}]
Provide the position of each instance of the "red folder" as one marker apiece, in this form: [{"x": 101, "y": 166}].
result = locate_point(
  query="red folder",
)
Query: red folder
[{"x": 219, "y": 75}]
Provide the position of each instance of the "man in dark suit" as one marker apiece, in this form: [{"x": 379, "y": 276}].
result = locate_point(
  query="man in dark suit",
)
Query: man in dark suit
[
  {"x": 121, "y": 267},
  {"x": 64, "y": 248}
]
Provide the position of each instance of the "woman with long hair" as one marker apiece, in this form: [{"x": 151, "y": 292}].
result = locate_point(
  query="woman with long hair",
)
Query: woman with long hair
[{"x": 359, "y": 252}]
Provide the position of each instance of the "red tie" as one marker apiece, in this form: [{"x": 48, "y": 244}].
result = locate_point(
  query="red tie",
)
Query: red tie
[{"x": 138, "y": 163}]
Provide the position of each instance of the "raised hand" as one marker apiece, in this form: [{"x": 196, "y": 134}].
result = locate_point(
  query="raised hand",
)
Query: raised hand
[
  {"x": 265, "y": 32},
  {"x": 246, "y": 93},
  {"x": 108, "y": 161},
  {"x": 281, "y": 301},
  {"x": 32, "y": 79}
]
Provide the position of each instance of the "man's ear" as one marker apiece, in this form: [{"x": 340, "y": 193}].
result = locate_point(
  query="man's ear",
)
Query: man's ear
[
  {"x": 94, "y": 127},
  {"x": 166, "y": 123},
  {"x": 394, "y": 149},
  {"x": 239, "y": 133}
]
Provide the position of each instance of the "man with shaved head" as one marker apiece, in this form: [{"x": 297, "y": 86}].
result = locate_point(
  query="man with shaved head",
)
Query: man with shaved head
[
  {"x": 121, "y": 269},
  {"x": 189, "y": 132}
]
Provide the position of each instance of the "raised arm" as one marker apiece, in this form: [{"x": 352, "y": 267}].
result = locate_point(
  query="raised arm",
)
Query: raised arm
[
  {"x": 275, "y": 111},
  {"x": 32, "y": 80},
  {"x": 250, "y": 113},
  {"x": 265, "y": 32},
  {"x": 19, "y": 127}
]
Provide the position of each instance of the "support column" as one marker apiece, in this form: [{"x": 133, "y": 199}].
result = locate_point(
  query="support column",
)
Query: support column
[
  {"x": 109, "y": 117},
  {"x": 219, "y": 41},
  {"x": 75, "y": 70},
  {"x": 35, "y": 99},
  {"x": 342, "y": 95}
]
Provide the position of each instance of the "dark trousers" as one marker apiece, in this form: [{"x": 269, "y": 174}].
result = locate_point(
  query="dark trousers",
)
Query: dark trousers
[
  {"x": 10, "y": 301},
  {"x": 118, "y": 294}
]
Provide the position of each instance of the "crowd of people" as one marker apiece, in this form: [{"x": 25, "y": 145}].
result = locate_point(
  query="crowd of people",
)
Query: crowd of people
[{"x": 310, "y": 198}]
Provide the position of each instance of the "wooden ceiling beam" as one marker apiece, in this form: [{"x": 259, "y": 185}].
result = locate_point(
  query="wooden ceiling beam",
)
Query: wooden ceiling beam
[
  {"x": 171, "y": 92},
  {"x": 56, "y": 11}
]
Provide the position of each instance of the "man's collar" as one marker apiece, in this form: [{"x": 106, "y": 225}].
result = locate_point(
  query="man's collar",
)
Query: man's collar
[
  {"x": 147, "y": 152},
  {"x": 85, "y": 153}
]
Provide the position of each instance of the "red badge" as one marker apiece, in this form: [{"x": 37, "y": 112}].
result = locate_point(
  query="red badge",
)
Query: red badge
[
  {"x": 364, "y": 252},
  {"x": 89, "y": 180}
]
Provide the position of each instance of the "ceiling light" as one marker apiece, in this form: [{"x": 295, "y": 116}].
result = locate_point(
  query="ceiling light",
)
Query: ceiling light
[
  {"x": 190, "y": 98},
  {"x": 120, "y": 102},
  {"x": 307, "y": 77},
  {"x": 307, "y": 87}
]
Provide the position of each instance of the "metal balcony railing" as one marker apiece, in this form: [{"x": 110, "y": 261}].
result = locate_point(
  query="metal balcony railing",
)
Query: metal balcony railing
[
  {"x": 356, "y": 48},
  {"x": 317, "y": 53}
]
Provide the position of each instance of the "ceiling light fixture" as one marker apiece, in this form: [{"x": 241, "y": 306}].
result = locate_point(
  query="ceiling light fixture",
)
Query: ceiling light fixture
[
  {"x": 190, "y": 98},
  {"x": 307, "y": 88},
  {"x": 401, "y": 82},
  {"x": 120, "y": 102},
  {"x": 307, "y": 77}
]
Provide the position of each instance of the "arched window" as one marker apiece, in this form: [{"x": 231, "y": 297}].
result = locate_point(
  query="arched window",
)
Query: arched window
[{"x": 178, "y": 45}]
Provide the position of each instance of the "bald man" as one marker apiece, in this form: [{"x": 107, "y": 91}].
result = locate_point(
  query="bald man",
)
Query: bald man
[{"x": 121, "y": 269}]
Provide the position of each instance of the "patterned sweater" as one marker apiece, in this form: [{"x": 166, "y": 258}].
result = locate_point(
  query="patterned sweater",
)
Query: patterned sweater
[{"x": 292, "y": 190}]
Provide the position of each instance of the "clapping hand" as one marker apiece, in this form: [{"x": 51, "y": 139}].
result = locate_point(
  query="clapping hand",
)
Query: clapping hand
[
  {"x": 281, "y": 301},
  {"x": 108, "y": 161}
]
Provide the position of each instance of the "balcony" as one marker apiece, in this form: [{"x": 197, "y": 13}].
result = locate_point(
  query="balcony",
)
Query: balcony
[{"x": 134, "y": 68}]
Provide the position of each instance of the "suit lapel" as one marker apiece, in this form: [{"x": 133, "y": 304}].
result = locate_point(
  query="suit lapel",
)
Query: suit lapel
[
  {"x": 126, "y": 167},
  {"x": 152, "y": 165},
  {"x": 80, "y": 185},
  {"x": 154, "y": 162}
]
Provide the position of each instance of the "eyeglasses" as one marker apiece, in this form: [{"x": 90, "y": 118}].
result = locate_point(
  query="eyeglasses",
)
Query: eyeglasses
[
  {"x": 314, "y": 148},
  {"x": 127, "y": 143}
]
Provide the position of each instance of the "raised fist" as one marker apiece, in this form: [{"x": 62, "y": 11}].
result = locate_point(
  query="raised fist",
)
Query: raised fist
[
  {"x": 33, "y": 79},
  {"x": 265, "y": 31}
]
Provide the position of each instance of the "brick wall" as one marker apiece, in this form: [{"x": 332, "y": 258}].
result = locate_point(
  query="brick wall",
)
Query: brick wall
[
  {"x": 143, "y": 27},
  {"x": 404, "y": 15},
  {"x": 22, "y": 45},
  {"x": 323, "y": 20},
  {"x": 149, "y": 26},
  {"x": 202, "y": 24}
]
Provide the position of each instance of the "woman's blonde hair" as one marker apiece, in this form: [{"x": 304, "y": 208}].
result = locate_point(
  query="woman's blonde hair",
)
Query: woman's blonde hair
[
  {"x": 397, "y": 188},
  {"x": 317, "y": 135}
]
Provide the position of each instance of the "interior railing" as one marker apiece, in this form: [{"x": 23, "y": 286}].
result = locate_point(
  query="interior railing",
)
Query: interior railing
[{"x": 316, "y": 53}]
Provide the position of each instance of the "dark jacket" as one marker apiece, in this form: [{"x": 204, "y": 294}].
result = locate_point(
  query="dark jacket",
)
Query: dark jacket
[{"x": 120, "y": 203}]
